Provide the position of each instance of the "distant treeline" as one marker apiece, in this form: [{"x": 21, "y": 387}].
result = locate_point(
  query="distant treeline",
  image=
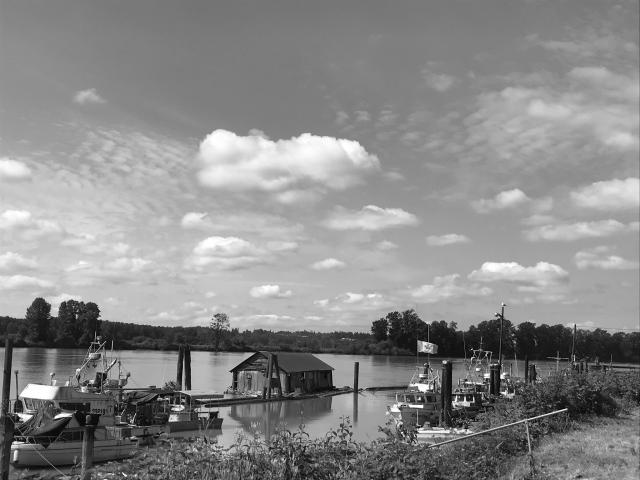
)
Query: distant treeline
[{"x": 395, "y": 334}]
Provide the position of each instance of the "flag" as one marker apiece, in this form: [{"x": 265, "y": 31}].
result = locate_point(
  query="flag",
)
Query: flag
[{"x": 426, "y": 347}]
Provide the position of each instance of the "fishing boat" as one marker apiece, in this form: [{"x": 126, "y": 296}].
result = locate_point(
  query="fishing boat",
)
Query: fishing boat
[
  {"x": 414, "y": 408},
  {"x": 425, "y": 379},
  {"x": 56, "y": 415}
]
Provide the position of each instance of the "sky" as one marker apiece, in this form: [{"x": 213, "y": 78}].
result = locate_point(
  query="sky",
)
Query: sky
[{"x": 316, "y": 165}]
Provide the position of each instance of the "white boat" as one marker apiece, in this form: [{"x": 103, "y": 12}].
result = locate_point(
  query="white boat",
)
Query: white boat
[
  {"x": 65, "y": 448},
  {"x": 192, "y": 410},
  {"x": 425, "y": 379}
]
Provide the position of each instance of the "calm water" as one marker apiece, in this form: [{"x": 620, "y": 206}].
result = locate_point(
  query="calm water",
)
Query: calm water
[{"x": 211, "y": 371}]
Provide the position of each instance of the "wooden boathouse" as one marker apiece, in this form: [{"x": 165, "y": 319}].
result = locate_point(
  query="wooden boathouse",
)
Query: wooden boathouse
[{"x": 290, "y": 373}]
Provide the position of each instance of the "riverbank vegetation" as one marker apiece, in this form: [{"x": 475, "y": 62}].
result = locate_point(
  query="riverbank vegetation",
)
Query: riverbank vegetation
[
  {"x": 395, "y": 334},
  {"x": 294, "y": 455}
]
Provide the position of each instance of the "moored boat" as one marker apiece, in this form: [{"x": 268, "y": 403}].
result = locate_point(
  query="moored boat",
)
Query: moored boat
[{"x": 415, "y": 408}]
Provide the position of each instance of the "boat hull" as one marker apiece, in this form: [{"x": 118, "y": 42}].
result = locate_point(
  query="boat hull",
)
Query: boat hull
[{"x": 69, "y": 453}]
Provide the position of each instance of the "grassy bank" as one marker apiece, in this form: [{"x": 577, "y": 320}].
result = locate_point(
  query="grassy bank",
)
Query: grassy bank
[
  {"x": 599, "y": 428},
  {"x": 595, "y": 448}
]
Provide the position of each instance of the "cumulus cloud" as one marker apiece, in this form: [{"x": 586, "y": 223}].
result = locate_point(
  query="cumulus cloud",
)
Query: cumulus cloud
[
  {"x": 609, "y": 195},
  {"x": 602, "y": 258},
  {"x": 446, "y": 287},
  {"x": 88, "y": 96},
  {"x": 448, "y": 239},
  {"x": 576, "y": 231},
  {"x": 370, "y": 218},
  {"x": 18, "y": 282},
  {"x": 284, "y": 167},
  {"x": 11, "y": 261},
  {"x": 56, "y": 300},
  {"x": 541, "y": 275},
  {"x": 328, "y": 264},
  {"x": 503, "y": 200},
  {"x": 269, "y": 291},
  {"x": 226, "y": 253},
  {"x": 23, "y": 222},
  {"x": 13, "y": 170}
]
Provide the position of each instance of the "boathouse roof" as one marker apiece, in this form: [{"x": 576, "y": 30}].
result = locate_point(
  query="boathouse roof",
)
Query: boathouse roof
[{"x": 289, "y": 362}]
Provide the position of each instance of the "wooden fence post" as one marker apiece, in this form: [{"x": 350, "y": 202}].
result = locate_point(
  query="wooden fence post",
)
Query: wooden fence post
[
  {"x": 180, "y": 362},
  {"x": 6, "y": 436}
]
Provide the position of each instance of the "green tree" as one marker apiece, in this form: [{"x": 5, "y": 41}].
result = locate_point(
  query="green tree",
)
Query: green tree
[
  {"x": 89, "y": 323},
  {"x": 380, "y": 329},
  {"x": 37, "y": 317},
  {"x": 219, "y": 326}
]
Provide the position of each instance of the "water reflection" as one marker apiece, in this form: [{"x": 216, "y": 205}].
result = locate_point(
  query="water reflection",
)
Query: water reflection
[{"x": 266, "y": 418}]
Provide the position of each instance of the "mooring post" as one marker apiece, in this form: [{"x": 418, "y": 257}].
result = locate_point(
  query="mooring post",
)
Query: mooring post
[
  {"x": 356, "y": 371},
  {"x": 87, "y": 448},
  {"x": 180, "y": 362},
  {"x": 187, "y": 367},
  {"x": 526, "y": 369},
  {"x": 494, "y": 368},
  {"x": 447, "y": 385},
  {"x": 269, "y": 374},
  {"x": 6, "y": 436},
  {"x": 532, "y": 373}
]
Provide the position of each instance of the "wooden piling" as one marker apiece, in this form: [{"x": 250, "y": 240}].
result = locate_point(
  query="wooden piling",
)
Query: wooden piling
[
  {"x": 269, "y": 374},
  {"x": 187, "y": 367},
  {"x": 6, "y": 435},
  {"x": 356, "y": 371},
  {"x": 276, "y": 368},
  {"x": 180, "y": 362},
  {"x": 445, "y": 398},
  {"x": 526, "y": 369},
  {"x": 87, "y": 448},
  {"x": 532, "y": 373}
]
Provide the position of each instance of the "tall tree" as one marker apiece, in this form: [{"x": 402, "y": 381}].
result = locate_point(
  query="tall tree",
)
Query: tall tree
[
  {"x": 219, "y": 326},
  {"x": 89, "y": 322},
  {"x": 380, "y": 329},
  {"x": 37, "y": 317}
]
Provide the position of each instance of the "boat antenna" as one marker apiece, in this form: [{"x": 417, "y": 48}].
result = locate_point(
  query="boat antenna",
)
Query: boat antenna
[
  {"x": 573, "y": 345},
  {"x": 464, "y": 346}
]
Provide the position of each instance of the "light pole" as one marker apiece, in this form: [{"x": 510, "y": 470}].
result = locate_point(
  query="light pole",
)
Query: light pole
[{"x": 501, "y": 317}]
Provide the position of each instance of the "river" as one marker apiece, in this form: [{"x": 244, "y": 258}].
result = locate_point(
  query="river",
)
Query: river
[{"x": 211, "y": 371}]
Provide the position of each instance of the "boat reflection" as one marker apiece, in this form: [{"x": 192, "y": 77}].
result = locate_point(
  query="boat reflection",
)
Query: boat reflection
[{"x": 265, "y": 419}]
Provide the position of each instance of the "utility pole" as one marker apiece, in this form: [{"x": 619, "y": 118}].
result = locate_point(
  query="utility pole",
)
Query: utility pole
[{"x": 501, "y": 317}]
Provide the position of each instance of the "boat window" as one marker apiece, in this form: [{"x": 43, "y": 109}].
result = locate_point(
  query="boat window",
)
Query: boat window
[
  {"x": 419, "y": 399},
  {"x": 429, "y": 398},
  {"x": 469, "y": 398},
  {"x": 410, "y": 398}
]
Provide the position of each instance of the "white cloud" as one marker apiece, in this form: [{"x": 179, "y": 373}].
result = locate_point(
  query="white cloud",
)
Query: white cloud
[
  {"x": 609, "y": 195},
  {"x": 29, "y": 227},
  {"x": 579, "y": 230},
  {"x": 285, "y": 167},
  {"x": 11, "y": 261},
  {"x": 386, "y": 245},
  {"x": 328, "y": 264},
  {"x": 503, "y": 200},
  {"x": 269, "y": 291},
  {"x": 446, "y": 287},
  {"x": 541, "y": 275},
  {"x": 195, "y": 220},
  {"x": 88, "y": 96},
  {"x": 370, "y": 218},
  {"x": 448, "y": 239},
  {"x": 439, "y": 81},
  {"x": 227, "y": 253},
  {"x": 17, "y": 282},
  {"x": 354, "y": 302},
  {"x": 602, "y": 258},
  {"x": 13, "y": 170},
  {"x": 128, "y": 264}
]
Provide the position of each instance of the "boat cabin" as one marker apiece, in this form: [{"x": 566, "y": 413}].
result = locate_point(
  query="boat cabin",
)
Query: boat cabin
[{"x": 291, "y": 372}]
